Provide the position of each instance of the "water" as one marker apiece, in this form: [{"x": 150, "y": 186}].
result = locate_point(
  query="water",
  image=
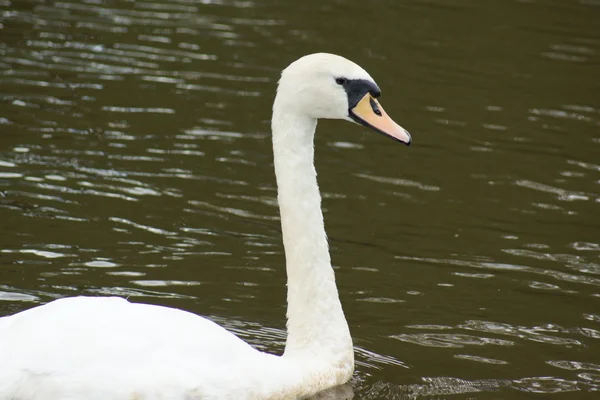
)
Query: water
[{"x": 135, "y": 160}]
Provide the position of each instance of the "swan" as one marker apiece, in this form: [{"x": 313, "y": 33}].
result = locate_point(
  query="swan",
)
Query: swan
[{"x": 108, "y": 348}]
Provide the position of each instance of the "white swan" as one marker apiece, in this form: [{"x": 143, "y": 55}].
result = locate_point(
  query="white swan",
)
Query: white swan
[{"x": 108, "y": 348}]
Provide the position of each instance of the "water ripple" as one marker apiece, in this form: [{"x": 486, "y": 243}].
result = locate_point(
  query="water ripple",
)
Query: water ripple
[
  {"x": 449, "y": 340},
  {"x": 535, "y": 333}
]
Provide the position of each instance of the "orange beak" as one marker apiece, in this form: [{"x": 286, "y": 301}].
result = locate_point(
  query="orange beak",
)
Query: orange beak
[{"x": 368, "y": 112}]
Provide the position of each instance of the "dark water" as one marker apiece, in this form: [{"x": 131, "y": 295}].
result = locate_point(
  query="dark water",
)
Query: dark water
[{"x": 135, "y": 160}]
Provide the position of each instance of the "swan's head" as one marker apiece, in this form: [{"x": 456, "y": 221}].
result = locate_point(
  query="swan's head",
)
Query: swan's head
[{"x": 324, "y": 85}]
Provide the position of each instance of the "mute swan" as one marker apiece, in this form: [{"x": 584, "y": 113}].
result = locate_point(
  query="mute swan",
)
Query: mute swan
[{"x": 108, "y": 348}]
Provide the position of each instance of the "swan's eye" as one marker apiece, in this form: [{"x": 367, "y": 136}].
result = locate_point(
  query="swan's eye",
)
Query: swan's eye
[{"x": 341, "y": 81}]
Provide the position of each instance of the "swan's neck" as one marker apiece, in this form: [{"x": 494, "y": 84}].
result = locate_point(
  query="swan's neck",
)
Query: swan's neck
[{"x": 317, "y": 328}]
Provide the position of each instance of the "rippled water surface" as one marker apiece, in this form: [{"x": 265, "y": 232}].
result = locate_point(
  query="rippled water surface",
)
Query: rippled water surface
[{"x": 135, "y": 160}]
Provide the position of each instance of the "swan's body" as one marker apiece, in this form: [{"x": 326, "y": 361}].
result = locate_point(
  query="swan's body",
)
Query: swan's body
[{"x": 108, "y": 348}]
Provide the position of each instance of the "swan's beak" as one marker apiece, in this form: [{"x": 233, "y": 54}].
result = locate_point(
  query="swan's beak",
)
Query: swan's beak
[{"x": 368, "y": 112}]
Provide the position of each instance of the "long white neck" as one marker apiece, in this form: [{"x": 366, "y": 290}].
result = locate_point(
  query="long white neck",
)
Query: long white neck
[{"x": 316, "y": 324}]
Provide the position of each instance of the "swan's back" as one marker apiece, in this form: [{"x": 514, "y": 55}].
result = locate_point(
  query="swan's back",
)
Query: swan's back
[{"x": 110, "y": 347}]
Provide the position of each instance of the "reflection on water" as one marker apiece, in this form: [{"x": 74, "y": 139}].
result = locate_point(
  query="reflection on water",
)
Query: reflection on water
[{"x": 135, "y": 161}]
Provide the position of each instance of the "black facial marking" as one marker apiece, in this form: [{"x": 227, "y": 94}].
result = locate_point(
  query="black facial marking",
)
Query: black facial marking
[{"x": 356, "y": 90}]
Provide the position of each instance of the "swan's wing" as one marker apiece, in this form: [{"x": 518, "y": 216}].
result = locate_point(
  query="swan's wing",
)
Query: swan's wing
[
  {"x": 80, "y": 329},
  {"x": 87, "y": 341}
]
